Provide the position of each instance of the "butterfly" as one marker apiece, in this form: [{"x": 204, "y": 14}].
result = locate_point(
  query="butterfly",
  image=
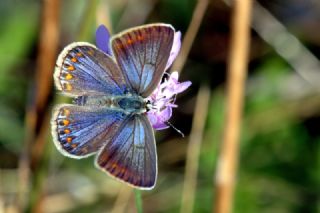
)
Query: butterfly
[{"x": 108, "y": 117}]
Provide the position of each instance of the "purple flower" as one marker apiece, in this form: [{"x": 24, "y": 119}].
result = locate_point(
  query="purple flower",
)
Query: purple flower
[
  {"x": 162, "y": 99},
  {"x": 103, "y": 39},
  {"x": 175, "y": 49}
]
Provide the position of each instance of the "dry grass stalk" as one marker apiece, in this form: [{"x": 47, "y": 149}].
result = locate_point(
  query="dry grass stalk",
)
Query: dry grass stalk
[
  {"x": 193, "y": 149},
  {"x": 237, "y": 71}
]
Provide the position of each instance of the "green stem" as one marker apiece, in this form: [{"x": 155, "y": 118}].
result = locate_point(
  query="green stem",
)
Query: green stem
[{"x": 138, "y": 198}]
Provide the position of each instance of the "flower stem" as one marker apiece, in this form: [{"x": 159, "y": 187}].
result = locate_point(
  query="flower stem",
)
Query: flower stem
[
  {"x": 138, "y": 199},
  {"x": 237, "y": 71},
  {"x": 193, "y": 150}
]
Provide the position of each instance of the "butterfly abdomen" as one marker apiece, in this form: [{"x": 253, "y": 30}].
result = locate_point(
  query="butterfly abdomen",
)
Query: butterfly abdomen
[{"x": 128, "y": 104}]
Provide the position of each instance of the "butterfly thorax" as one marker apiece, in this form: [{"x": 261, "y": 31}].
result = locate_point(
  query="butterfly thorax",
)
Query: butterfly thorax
[{"x": 129, "y": 104}]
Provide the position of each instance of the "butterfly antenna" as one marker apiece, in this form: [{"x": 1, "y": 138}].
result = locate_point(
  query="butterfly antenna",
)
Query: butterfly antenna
[{"x": 167, "y": 122}]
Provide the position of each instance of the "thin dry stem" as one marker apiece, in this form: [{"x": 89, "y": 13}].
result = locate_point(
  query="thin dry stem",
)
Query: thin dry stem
[
  {"x": 190, "y": 35},
  {"x": 135, "y": 13},
  {"x": 103, "y": 15},
  {"x": 48, "y": 45},
  {"x": 287, "y": 45},
  {"x": 122, "y": 199},
  {"x": 193, "y": 149},
  {"x": 237, "y": 71}
]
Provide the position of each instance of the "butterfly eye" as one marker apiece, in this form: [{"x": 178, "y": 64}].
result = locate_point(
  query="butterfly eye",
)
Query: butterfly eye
[{"x": 148, "y": 105}]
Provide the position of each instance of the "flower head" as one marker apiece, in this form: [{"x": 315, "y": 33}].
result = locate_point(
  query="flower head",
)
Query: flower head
[{"x": 162, "y": 99}]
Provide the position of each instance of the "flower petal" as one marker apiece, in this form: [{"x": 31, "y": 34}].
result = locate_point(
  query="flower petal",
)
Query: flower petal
[
  {"x": 175, "y": 49},
  {"x": 175, "y": 88},
  {"x": 155, "y": 121},
  {"x": 182, "y": 86},
  {"x": 102, "y": 39},
  {"x": 160, "y": 126},
  {"x": 165, "y": 114},
  {"x": 158, "y": 119},
  {"x": 174, "y": 76},
  {"x": 152, "y": 118}
]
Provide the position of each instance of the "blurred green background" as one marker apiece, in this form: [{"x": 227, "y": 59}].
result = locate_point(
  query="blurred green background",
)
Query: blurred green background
[{"x": 279, "y": 167}]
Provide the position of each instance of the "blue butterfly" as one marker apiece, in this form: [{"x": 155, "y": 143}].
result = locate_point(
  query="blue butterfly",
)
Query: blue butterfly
[{"x": 108, "y": 117}]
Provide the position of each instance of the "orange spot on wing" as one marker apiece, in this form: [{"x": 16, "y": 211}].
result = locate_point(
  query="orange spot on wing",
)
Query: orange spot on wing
[
  {"x": 90, "y": 52},
  {"x": 71, "y": 68},
  {"x": 65, "y": 122},
  {"x": 129, "y": 41},
  {"x": 66, "y": 131},
  {"x": 74, "y": 145},
  {"x": 68, "y": 87},
  {"x": 66, "y": 112},
  {"x": 140, "y": 38},
  {"x": 69, "y": 139},
  {"x": 74, "y": 60},
  {"x": 120, "y": 44},
  {"x": 84, "y": 150},
  {"x": 79, "y": 54},
  {"x": 68, "y": 76},
  {"x": 123, "y": 170}
]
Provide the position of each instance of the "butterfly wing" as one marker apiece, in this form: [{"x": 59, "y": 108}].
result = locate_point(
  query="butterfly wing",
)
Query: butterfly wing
[
  {"x": 82, "y": 69},
  {"x": 142, "y": 54},
  {"x": 131, "y": 155},
  {"x": 81, "y": 131}
]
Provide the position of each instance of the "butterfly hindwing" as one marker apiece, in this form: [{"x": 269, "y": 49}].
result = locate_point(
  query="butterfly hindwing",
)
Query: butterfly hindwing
[
  {"x": 131, "y": 155},
  {"x": 142, "y": 54},
  {"x": 82, "y": 69},
  {"x": 80, "y": 131}
]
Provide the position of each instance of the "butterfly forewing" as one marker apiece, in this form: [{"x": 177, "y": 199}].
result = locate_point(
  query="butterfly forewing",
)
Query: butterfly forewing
[
  {"x": 131, "y": 155},
  {"x": 142, "y": 54},
  {"x": 82, "y": 69},
  {"x": 81, "y": 131}
]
